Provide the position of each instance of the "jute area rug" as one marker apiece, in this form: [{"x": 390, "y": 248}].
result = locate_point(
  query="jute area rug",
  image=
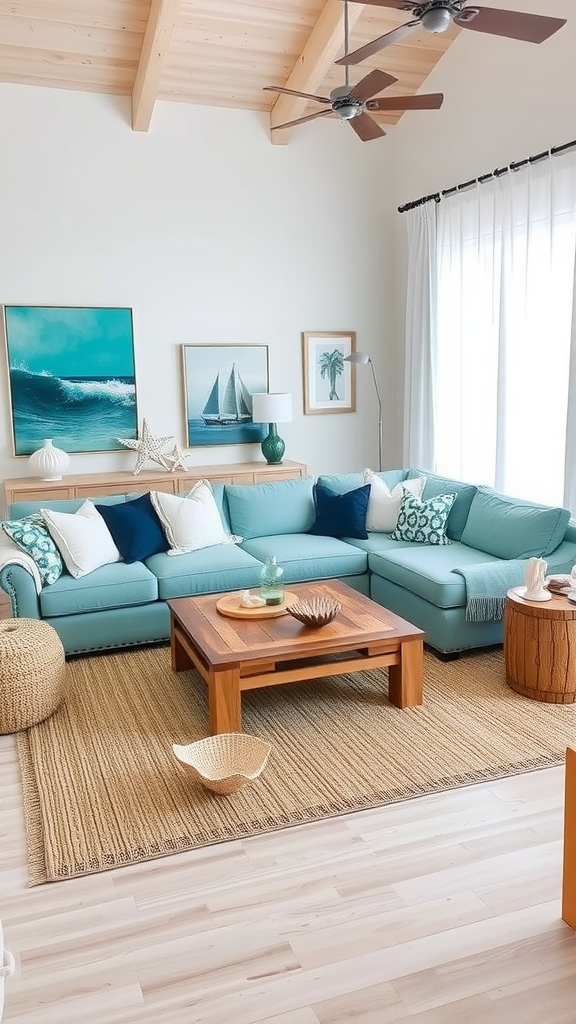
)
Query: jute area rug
[{"x": 102, "y": 787}]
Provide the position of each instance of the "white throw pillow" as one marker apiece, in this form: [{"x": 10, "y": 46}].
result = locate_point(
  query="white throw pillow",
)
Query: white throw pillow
[
  {"x": 191, "y": 522},
  {"x": 82, "y": 538},
  {"x": 384, "y": 504}
]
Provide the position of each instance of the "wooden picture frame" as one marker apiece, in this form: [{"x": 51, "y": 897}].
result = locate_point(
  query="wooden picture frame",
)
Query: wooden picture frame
[
  {"x": 329, "y": 381},
  {"x": 219, "y": 381},
  {"x": 71, "y": 377}
]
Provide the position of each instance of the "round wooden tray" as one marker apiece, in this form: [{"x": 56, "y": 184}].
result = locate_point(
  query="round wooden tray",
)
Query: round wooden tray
[{"x": 230, "y": 605}]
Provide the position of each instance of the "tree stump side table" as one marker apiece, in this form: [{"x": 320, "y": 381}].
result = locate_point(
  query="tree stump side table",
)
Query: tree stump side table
[{"x": 540, "y": 647}]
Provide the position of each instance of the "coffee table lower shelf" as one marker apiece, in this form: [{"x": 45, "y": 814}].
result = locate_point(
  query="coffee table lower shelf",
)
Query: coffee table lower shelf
[{"x": 402, "y": 658}]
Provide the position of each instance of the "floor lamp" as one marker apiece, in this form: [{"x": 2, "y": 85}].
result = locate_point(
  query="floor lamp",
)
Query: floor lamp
[{"x": 365, "y": 359}]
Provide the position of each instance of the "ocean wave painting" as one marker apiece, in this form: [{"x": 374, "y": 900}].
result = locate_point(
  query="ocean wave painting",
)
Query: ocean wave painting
[{"x": 71, "y": 372}]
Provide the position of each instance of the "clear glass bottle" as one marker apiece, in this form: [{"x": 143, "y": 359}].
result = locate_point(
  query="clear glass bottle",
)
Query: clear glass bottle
[{"x": 272, "y": 581}]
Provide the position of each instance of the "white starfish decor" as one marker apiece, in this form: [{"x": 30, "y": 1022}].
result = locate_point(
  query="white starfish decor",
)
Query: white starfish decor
[
  {"x": 148, "y": 447},
  {"x": 178, "y": 458}
]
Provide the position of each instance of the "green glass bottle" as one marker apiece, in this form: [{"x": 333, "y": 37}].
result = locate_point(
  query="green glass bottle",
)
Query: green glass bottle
[{"x": 272, "y": 581}]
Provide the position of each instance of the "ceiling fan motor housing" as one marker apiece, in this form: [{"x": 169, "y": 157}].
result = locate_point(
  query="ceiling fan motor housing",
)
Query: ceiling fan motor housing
[
  {"x": 343, "y": 104},
  {"x": 436, "y": 15}
]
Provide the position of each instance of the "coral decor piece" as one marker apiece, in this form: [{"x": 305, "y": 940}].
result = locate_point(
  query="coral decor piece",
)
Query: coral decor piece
[
  {"x": 534, "y": 580},
  {"x": 178, "y": 458},
  {"x": 148, "y": 447}
]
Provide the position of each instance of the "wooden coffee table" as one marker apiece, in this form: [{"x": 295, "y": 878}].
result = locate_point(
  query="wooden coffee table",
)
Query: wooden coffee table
[{"x": 233, "y": 654}]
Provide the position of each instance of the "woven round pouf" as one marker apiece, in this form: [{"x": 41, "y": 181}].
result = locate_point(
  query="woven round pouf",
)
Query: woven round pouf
[{"x": 32, "y": 673}]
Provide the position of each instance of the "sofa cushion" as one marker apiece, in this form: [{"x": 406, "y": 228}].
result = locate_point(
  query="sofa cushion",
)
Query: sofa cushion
[
  {"x": 26, "y": 508},
  {"x": 82, "y": 538},
  {"x": 513, "y": 528},
  {"x": 112, "y": 586},
  {"x": 135, "y": 527},
  {"x": 424, "y": 522},
  {"x": 263, "y": 510},
  {"x": 436, "y": 485},
  {"x": 304, "y": 556},
  {"x": 384, "y": 503},
  {"x": 31, "y": 535},
  {"x": 341, "y": 482},
  {"x": 340, "y": 515},
  {"x": 428, "y": 571},
  {"x": 191, "y": 522},
  {"x": 206, "y": 571}
]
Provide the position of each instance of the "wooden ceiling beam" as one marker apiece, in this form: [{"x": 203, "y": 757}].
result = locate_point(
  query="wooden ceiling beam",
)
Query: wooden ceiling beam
[
  {"x": 157, "y": 37},
  {"x": 325, "y": 44}
]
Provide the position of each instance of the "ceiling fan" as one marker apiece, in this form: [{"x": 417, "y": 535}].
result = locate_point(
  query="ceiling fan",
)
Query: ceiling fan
[
  {"x": 352, "y": 103},
  {"x": 437, "y": 15}
]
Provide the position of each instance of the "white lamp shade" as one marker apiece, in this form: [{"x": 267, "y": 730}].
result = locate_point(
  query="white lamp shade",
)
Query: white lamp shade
[
  {"x": 272, "y": 408},
  {"x": 357, "y": 357}
]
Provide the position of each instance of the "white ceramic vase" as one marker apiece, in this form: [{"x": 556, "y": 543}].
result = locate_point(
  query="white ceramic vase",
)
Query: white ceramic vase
[{"x": 49, "y": 462}]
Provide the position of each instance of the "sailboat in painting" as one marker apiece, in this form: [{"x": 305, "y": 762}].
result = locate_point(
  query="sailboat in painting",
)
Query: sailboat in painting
[{"x": 229, "y": 404}]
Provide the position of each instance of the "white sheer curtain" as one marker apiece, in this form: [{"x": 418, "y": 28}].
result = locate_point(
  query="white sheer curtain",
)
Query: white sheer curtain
[
  {"x": 421, "y": 319},
  {"x": 499, "y": 369}
]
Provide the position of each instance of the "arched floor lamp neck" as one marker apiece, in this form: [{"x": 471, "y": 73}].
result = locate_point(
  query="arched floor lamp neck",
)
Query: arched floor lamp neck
[{"x": 364, "y": 359}]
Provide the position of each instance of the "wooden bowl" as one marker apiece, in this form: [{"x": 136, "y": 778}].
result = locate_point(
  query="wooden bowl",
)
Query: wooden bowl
[
  {"x": 316, "y": 611},
  {"x": 226, "y": 762}
]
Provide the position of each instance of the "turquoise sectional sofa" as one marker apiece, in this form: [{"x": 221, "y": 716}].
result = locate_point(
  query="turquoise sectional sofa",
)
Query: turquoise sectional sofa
[{"x": 453, "y": 591}]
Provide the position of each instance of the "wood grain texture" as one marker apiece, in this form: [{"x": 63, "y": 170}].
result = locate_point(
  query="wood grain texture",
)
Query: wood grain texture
[
  {"x": 235, "y": 654},
  {"x": 569, "y": 855},
  {"x": 438, "y": 910},
  {"x": 89, "y": 485},
  {"x": 540, "y": 648},
  {"x": 218, "y": 53}
]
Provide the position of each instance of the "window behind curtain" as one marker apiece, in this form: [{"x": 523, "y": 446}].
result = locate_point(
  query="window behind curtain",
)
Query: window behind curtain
[{"x": 505, "y": 294}]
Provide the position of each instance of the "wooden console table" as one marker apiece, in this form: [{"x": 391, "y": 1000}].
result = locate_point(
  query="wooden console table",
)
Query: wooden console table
[{"x": 90, "y": 485}]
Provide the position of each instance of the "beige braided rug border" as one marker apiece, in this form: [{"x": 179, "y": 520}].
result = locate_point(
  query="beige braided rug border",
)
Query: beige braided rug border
[{"x": 102, "y": 787}]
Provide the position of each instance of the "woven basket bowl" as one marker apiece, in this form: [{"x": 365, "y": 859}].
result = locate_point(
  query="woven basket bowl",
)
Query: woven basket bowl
[
  {"x": 226, "y": 762},
  {"x": 317, "y": 611}
]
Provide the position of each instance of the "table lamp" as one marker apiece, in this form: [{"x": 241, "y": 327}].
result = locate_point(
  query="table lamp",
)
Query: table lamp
[
  {"x": 272, "y": 409},
  {"x": 365, "y": 359}
]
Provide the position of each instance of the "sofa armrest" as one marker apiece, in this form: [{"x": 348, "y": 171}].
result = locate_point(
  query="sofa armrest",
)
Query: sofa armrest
[{"x": 21, "y": 589}]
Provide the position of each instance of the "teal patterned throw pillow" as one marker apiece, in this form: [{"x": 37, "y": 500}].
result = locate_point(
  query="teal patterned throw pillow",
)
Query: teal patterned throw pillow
[
  {"x": 424, "y": 522},
  {"x": 31, "y": 536}
]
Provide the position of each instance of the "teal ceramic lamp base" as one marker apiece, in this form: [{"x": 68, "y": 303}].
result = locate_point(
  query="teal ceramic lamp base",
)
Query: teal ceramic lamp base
[{"x": 273, "y": 446}]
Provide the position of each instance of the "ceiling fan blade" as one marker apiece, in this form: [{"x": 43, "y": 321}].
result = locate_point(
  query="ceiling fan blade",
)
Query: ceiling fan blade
[
  {"x": 398, "y": 5},
  {"x": 375, "y": 82},
  {"x": 428, "y": 101},
  {"x": 300, "y": 120},
  {"x": 530, "y": 28},
  {"x": 378, "y": 44},
  {"x": 366, "y": 127},
  {"x": 293, "y": 92}
]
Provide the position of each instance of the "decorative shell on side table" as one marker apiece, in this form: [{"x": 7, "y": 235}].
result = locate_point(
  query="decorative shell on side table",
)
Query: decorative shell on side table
[{"x": 316, "y": 611}]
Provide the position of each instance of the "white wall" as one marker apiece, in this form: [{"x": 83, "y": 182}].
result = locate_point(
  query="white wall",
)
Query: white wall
[
  {"x": 210, "y": 234},
  {"x": 213, "y": 235},
  {"x": 504, "y": 101}
]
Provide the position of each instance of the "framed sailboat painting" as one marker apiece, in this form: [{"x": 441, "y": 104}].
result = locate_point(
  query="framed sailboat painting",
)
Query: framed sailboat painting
[{"x": 219, "y": 381}]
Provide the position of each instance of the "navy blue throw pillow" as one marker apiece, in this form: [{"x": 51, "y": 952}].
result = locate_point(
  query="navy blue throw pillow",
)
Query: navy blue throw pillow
[
  {"x": 135, "y": 527},
  {"x": 340, "y": 515}
]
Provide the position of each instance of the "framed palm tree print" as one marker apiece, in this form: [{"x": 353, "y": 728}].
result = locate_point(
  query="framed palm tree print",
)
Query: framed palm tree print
[{"x": 329, "y": 380}]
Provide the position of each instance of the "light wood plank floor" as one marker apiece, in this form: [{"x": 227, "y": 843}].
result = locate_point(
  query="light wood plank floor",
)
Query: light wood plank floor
[{"x": 440, "y": 910}]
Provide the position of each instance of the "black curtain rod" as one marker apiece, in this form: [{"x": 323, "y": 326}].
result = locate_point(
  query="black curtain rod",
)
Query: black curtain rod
[{"x": 497, "y": 173}]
